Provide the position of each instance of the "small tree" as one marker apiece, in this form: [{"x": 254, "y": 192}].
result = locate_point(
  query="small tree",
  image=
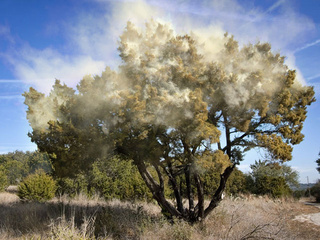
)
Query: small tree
[
  {"x": 274, "y": 186},
  {"x": 118, "y": 178},
  {"x": 272, "y": 178},
  {"x": 38, "y": 187},
  {"x": 3, "y": 179},
  {"x": 315, "y": 191},
  {"x": 17, "y": 165},
  {"x": 167, "y": 106},
  {"x": 318, "y": 162},
  {"x": 274, "y": 169},
  {"x": 76, "y": 185}
]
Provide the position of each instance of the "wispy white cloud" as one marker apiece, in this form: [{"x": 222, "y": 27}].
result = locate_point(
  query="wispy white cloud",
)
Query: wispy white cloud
[
  {"x": 244, "y": 168},
  {"x": 40, "y": 68},
  {"x": 10, "y": 97},
  {"x": 307, "y": 46},
  {"x": 91, "y": 39},
  {"x": 306, "y": 173},
  {"x": 6, "y": 33},
  {"x": 313, "y": 77},
  {"x": 259, "y": 16},
  {"x": 302, "y": 169},
  {"x": 10, "y": 81},
  {"x": 275, "y": 5}
]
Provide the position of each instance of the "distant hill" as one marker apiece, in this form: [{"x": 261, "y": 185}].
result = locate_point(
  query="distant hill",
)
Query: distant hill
[{"x": 303, "y": 186}]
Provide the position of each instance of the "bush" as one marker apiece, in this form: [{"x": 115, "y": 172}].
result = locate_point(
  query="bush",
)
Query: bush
[
  {"x": 315, "y": 191},
  {"x": 118, "y": 178},
  {"x": 38, "y": 187},
  {"x": 274, "y": 186},
  {"x": 80, "y": 184},
  {"x": 18, "y": 165},
  {"x": 297, "y": 194},
  {"x": 112, "y": 177},
  {"x": 3, "y": 179}
]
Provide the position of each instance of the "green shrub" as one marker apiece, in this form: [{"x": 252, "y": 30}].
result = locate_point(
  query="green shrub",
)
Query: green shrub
[
  {"x": 297, "y": 194},
  {"x": 274, "y": 186},
  {"x": 3, "y": 179},
  {"x": 315, "y": 191},
  {"x": 38, "y": 187},
  {"x": 118, "y": 178},
  {"x": 237, "y": 182},
  {"x": 74, "y": 186}
]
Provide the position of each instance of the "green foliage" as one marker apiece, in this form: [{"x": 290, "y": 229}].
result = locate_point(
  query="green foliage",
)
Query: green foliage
[
  {"x": 273, "y": 169},
  {"x": 118, "y": 178},
  {"x": 38, "y": 187},
  {"x": 3, "y": 179},
  {"x": 111, "y": 178},
  {"x": 80, "y": 183},
  {"x": 297, "y": 194},
  {"x": 318, "y": 163},
  {"x": 315, "y": 191},
  {"x": 211, "y": 165},
  {"x": 250, "y": 183},
  {"x": 273, "y": 186},
  {"x": 17, "y": 165},
  {"x": 237, "y": 183},
  {"x": 180, "y": 230},
  {"x": 271, "y": 178}
]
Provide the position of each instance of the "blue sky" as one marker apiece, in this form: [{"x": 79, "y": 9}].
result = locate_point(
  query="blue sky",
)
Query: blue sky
[{"x": 41, "y": 41}]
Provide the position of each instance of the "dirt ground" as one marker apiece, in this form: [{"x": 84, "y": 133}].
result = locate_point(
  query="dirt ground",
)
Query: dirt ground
[{"x": 313, "y": 218}]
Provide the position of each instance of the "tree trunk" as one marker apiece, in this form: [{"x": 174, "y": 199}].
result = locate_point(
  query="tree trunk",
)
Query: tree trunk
[
  {"x": 217, "y": 197},
  {"x": 199, "y": 210},
  {"x": 175, "y": 187},
  {"x": 189, "y": 192},
  {"x": 158, "y": 194}
]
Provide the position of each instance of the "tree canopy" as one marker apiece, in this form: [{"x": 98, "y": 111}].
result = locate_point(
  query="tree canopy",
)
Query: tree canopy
[
  {"x": 173, "y": 100},
  {"x": 273, "y": 178},
  {"x": 269, "y": 168},
  {"x": 318, "y": 163},
  {"x": 14, "y": 166}
]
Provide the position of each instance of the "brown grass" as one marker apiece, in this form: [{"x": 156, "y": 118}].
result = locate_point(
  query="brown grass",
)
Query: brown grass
[
  {"x": 242, "y": 218},
  {"x": 8, "y": 198}
]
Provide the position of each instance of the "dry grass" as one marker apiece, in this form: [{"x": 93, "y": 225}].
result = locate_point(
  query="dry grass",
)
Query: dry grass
[
  {"x": 245, "y": 218},
  {"x": 8, "y": 198},
  {"x": 82, "y": 218}
]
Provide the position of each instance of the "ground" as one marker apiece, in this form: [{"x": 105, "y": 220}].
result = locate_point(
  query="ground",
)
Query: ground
[
  {"x": 313, "y": 218},
  {"x": 243, "y": 217}
]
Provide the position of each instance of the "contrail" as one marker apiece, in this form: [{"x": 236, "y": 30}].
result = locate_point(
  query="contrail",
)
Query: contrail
[
  {"x": 263, "y": 14},
  {"x": 10, "y": 81},
  {"x": 307, "y": 46},
  {"x": 313, "y": 77},
  {"x": 9, "y": 97},
  {"x": 274, "y": 6}
]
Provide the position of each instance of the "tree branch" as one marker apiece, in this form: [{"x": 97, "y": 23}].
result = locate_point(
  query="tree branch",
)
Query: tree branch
[
  {"x": 175, "y": 187},
  {"x": 156, "y": 190}
]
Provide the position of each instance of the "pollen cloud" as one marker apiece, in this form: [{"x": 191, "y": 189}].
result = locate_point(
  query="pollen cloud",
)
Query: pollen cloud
[{"x": 92, "y": 38}]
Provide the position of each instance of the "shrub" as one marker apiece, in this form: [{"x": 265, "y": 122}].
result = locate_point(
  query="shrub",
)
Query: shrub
[
  {"x": 112, "y": 177},
  {"x": 3, "y": 179},
  {"x": 274, "y": 186},
  {"x": 315, "y": 191},
  {"x": 297, "y": 194},
  {"x": 37, "y": 187},
  {"x": 75, "y": 186},
  {"x": 118, "y": 178}
]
